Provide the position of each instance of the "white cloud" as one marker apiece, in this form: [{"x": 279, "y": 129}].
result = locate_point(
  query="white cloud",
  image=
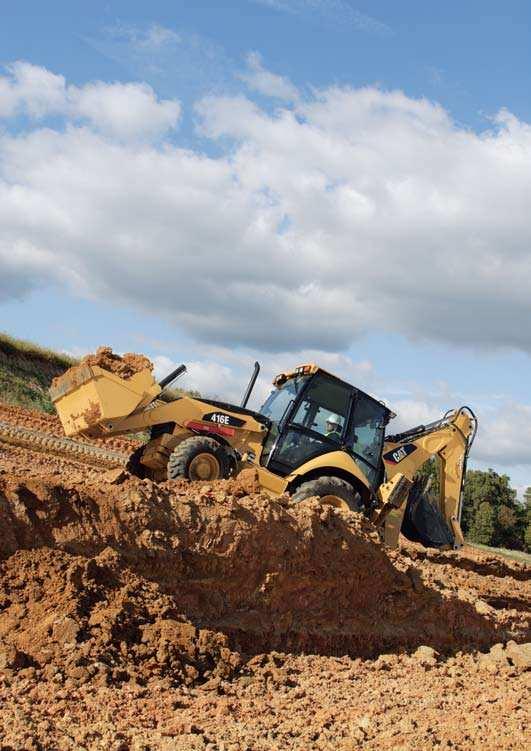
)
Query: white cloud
[
  {"x": 353, "y": 211},
  {"x": 264, "y": 82},
  {"x": 219, "y": 372},
  {"x": 152, "y": 39},
  {"x": 211, "y": 379},
  {"x": 128, "y": 111},
  {"x": 125, "y": 110},
  {"x": 410, "y": 413},
  {"x": 504, "y": 436},
  {"x": 504, "y": 430},
  {"x": 31, "y": 89}
]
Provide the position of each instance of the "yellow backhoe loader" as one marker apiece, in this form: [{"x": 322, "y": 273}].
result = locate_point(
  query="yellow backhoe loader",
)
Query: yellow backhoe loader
[{"x": 315, "y": 435}]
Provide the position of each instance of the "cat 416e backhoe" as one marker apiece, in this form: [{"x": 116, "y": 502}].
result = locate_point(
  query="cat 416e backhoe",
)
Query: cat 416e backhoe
[{"x": 315, "y": 436}]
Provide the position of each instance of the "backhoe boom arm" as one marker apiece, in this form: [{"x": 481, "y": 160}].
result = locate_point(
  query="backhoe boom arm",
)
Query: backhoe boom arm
[{"x": 449, "y": 440}]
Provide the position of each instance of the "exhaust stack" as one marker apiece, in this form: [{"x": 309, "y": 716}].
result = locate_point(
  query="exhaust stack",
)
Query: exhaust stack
[{"x": 250, "y": 386}]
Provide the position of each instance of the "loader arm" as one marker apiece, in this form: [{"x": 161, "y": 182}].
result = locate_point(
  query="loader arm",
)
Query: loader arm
[{"x": 449, "y": 440}]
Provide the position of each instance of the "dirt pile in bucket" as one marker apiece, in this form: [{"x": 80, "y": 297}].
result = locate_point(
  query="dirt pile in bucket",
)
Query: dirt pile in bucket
[{"x": 125, "y": 366}]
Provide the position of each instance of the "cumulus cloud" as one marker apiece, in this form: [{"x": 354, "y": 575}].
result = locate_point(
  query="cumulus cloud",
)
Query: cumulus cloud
[
  {"x": 504, "y": 429},
  {"x": 126, "y": 111},
  {"x": 219, "y": 372},
  {"x": 211, "y": 379},
  {"x": 355, "y": 210},
  {"x": 32, "y": 90},
  {"x": 265, "y": 82},
  {"x": 505, "y": 436}
]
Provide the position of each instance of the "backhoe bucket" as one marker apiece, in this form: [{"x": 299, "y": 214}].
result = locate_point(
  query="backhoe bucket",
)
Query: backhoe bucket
[
  {"x": 88, "y": 398},
  {"x": 424, "y": 523}
]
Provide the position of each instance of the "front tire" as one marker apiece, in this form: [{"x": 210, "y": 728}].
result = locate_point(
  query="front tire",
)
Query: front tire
[
  {"x": 199, "y": 458},
  {"x": 331, "y": 491}
]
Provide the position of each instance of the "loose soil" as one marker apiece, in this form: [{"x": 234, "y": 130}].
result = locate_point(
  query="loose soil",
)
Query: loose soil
[
  {"x": 207, "y": 616},
  {"x": 36, "y": 420},
  {"x": 125, "y": 366}
]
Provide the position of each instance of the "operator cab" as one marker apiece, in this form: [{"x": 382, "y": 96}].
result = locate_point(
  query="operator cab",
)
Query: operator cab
[{"x": 313, "y": 413}]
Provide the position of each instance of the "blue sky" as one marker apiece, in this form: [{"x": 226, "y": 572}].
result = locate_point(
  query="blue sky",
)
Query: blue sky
[{"x": 282, "y": 179}]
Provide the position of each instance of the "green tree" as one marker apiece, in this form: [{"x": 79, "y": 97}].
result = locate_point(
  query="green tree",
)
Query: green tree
[
  {"x": 494, "y": 490},
  {"x": 507, "y": 531},
  {"x": 482, "y": 529},
  {"x": 430, "y": 472}
]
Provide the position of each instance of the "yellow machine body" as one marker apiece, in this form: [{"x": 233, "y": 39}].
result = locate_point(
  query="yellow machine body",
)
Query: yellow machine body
[
  {"x": 93, "y": 402},
  {"x": 88, "y": 396}
]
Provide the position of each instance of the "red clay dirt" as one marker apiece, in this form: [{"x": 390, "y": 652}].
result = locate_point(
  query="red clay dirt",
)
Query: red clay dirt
[
  {"x": 45, "y": 423},
  {"x": 178, "y": 616},
  {"x": 125, "y": 366}
]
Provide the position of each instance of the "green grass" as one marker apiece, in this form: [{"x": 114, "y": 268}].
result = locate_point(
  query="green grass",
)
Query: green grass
[
  {"x": 27, "y": 371},
  {"x": 514, "y": 555},
  {"x": 19, "y": 347}
]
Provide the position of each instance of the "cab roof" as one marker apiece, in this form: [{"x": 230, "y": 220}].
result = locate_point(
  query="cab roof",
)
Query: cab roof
[{"x": 311, "y": 369}]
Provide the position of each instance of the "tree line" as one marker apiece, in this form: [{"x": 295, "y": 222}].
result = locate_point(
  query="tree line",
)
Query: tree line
[{"x": 492, "y": 514}]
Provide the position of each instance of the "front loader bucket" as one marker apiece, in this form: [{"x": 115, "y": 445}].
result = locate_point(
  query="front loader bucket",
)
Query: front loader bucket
[
  {"x": 88, "y": 398},
  {"x": 424, "y": 523}
]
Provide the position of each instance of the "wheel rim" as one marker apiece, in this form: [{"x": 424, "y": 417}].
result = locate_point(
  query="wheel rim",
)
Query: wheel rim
[
  {"x": 336, "y": 501},
  {"x": 204, "y": 466}
]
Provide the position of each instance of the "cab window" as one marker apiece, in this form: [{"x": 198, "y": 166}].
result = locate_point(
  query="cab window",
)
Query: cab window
[
  {"x": 324, "y": 408},
  {"x": 367, "y": 434}
]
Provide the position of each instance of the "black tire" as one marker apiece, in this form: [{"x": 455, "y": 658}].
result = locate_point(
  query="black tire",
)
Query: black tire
[
  {"x": 337, "y": 492},
  {"x": 181, "y": 463},
  {"x": 133, "y": 465}
]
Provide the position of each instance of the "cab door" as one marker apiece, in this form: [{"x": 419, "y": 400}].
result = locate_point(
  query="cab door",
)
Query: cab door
[
  {"x": 306, "y": 431},
  {"x": 364, "y": 440}
]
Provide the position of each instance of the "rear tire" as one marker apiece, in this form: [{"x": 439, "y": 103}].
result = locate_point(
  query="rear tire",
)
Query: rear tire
[
  {"x": 331, "y": 491},
  {"x": 199, "y": 458}
]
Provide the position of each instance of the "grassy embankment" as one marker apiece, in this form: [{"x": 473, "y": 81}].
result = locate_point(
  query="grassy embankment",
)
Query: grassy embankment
[
  {"x": 26, "y": 372},
  {"x": 514, "y": 555}
]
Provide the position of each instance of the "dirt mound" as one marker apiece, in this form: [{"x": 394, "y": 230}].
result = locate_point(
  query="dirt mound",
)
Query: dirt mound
[
  {"x": 124, "y": 366},
  {"x": 138, "y": 616},
  {"x": 93, "y": 619},
  {"x": 267, "y": 574}
]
